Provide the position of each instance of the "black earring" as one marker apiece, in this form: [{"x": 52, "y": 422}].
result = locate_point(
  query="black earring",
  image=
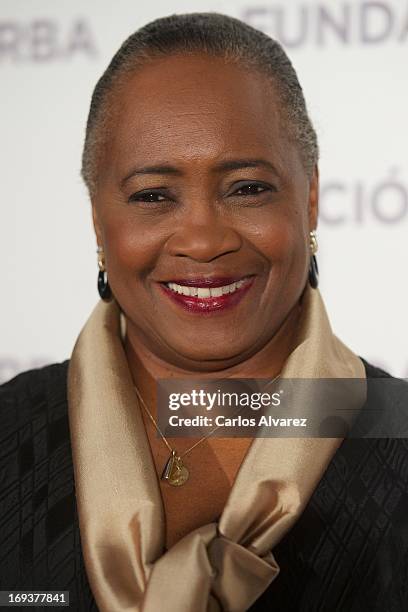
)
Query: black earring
[
  {"x": 103, "y": 286},
  {"x": 313, "y": 269},
  {"x": 313, "y": 272}
]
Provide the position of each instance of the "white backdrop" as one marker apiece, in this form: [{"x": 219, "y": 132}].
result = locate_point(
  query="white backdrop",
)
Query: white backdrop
[{"x": 351, "y": 59}]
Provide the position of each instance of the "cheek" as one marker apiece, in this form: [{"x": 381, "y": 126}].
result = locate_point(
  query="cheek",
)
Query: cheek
[
  {"x": 130, "y": 250},
  {"x": 280, "y": 240},
  {"x": 283, "y": 247}
]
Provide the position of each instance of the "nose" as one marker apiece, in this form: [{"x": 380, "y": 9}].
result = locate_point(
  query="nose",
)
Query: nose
[{"x": 203, "y": 234}]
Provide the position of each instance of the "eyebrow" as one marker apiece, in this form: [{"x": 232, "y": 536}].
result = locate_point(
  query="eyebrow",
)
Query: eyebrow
[{"x": 233, "y": 164}]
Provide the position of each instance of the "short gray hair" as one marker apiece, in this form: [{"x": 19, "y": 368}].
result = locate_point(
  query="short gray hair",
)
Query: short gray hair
[{"x": 209, "y": 33}]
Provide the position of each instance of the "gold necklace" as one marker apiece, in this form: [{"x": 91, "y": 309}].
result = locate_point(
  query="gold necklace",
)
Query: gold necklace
[{"x": 175, "y": 472}]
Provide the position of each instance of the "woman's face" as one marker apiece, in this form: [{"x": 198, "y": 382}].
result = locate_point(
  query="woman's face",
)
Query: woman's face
[{"x": 200, "y": 187}]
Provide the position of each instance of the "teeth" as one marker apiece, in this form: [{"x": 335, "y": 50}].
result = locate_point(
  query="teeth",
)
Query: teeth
[
  {"x": 205, "y": 292},
  {"x": 216, "y": 291}
]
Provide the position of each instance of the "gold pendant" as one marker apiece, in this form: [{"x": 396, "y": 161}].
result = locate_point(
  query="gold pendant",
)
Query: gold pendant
[{"x": 175, "y": 472}]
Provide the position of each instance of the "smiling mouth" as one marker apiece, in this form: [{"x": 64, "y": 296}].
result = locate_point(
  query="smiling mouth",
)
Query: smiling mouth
[
  {"x": 207, "y": 295},
  {"x": 205, "y": 292}
]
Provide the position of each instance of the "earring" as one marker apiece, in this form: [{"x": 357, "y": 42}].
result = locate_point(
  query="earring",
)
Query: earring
[
  {"x": 103, "y": 285},
  {"x": 313, "y": 268}
]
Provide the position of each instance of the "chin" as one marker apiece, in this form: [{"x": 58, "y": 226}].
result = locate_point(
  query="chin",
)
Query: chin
[{"x": 226, "y": 355}]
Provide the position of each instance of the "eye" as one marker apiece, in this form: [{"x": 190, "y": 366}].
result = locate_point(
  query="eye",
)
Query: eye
[
  {"x": 151, "y": 196},
  {"x": 253, "y": 189}
]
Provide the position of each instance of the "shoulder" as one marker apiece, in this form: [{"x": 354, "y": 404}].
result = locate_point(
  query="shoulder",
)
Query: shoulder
[
  {"x": 32, "y": 393},
  {"x": 385, "y": 412},
  {"x": 37, "y": 376},
  {"x": 373, "y": 371},
  {"x": 384, "y": 388}
]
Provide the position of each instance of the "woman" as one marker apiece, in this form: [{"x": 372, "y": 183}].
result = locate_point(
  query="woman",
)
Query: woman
[{"x": 201, "y": 164}]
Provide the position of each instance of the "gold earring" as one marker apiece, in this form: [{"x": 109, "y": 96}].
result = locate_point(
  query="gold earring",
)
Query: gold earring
[
  {"x": 313, "y": 242},
  {"x": 101, "y": 258}
]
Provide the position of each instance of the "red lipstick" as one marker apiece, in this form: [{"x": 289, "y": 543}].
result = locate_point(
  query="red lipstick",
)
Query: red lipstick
[{"x": 207, "y": 295}]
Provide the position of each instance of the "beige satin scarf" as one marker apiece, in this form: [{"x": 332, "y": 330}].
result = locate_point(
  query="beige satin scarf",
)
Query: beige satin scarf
[{"x": 224, "y": 566}]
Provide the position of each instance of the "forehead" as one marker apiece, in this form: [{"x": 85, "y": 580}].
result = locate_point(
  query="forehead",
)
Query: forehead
[{"x": 195, "y": 107}]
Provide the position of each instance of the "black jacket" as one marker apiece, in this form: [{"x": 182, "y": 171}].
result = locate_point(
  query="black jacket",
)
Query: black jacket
[{"x": 348, "y": 552}]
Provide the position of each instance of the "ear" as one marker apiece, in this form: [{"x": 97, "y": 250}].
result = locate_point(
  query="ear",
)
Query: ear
[
  {"x": 314, "y": 199},
  {"x": 96, "y": 224}
]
